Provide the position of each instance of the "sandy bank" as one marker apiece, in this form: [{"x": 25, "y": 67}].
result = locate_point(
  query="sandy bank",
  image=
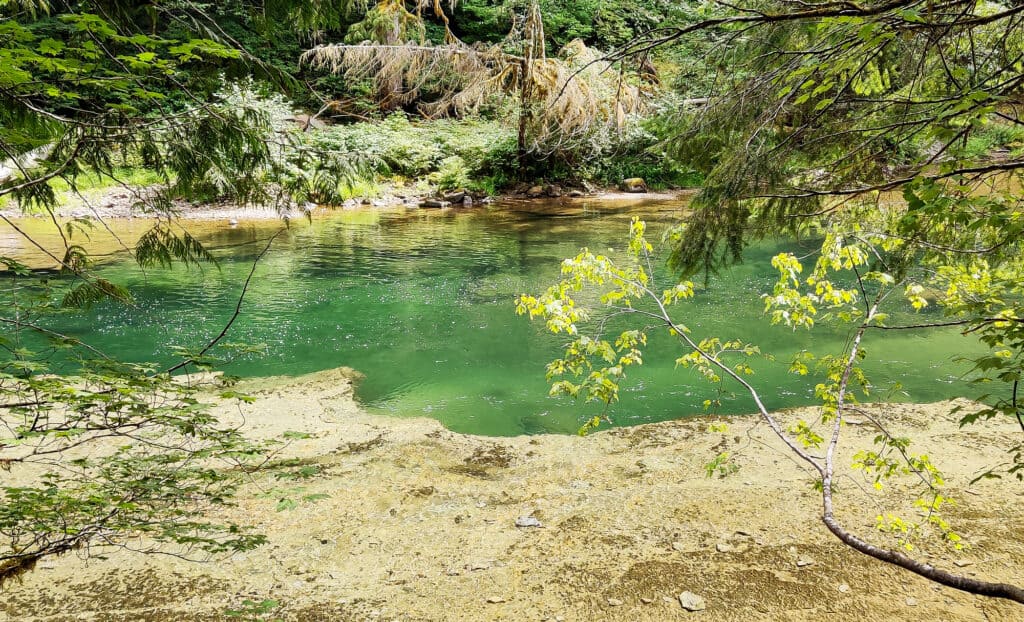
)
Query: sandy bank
[
  {"x": 420, "y": 525},
  {"x": 122, "y": 204}
]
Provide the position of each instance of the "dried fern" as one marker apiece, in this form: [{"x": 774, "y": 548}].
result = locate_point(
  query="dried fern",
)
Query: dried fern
[{"x": 562, "y": 100}]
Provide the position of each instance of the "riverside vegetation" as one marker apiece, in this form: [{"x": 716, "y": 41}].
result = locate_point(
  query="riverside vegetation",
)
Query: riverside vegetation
[{"x": 887, "y": 132}]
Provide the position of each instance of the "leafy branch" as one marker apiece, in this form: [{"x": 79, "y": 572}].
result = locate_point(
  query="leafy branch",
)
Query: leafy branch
[{"x": 630, "y": 289}]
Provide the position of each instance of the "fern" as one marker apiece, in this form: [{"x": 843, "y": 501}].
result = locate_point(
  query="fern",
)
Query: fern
[
  {"x": 91, "y": 292},
  {"x": 162, "y": 246}
]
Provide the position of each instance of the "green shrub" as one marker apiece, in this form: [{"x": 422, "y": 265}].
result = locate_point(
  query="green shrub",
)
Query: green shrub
[
  {"x": 446, "y": 152},
  {"x": 453, "y": 173}
]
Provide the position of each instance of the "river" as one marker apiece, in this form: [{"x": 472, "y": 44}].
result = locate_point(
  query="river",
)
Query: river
[{"x": 421, "y": 302}]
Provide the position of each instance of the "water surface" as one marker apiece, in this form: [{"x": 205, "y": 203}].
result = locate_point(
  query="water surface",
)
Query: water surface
[{"x": 420, "y": 301}]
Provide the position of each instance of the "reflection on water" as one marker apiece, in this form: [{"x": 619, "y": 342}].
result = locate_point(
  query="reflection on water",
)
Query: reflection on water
[{"x": 421, "y": 302}]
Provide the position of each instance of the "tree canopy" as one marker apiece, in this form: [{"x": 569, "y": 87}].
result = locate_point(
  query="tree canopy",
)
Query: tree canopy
[{"x": 102, "y": 450}]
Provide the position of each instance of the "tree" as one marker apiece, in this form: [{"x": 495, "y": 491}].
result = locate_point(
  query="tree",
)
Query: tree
[
  {"x": 867, "y": 102},
  {"x": 597, "y": 359},
  {"x": 561, "y": 102},
  {"x": 95, "y": 451},
  {"x": 887, "y": 130}
]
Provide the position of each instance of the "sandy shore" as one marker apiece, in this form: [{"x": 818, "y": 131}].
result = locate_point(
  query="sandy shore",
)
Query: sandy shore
[
  {"x": 420, "y": 524},
  {"x": 122, "y": 203}
]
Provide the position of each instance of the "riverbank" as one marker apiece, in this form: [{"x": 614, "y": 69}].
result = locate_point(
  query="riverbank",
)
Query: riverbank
[
  {"x": 123, "y": 203},
  {"x": 420, "y": 524}
]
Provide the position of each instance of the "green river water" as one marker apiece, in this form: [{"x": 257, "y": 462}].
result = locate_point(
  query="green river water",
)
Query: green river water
[{"x": 421, "y": 303}]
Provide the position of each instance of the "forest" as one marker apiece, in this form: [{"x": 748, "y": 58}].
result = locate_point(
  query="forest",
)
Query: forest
[{"x": 495, "y": 309}]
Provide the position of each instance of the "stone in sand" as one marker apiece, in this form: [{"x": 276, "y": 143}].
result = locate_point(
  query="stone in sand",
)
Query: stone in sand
[
  {"x": 527, "y": 521},
  {"x": 692, "y": 602}
]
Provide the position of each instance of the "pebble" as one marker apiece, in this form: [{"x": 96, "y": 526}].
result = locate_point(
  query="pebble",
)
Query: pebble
[
  {"x": 679, "y": 546},
  {"x": 494, "y": 600},
  {"x": 804, "y": 561},
  {"x": 911, "y": 602},
  {"x": 527, "y": 521},
  {"x": 844, "y": 588},
  {"x": 615, "y": 602},
  {"x": 692, "y": 602},
  {"x": 646, "y": 601},
  {"x": 962, "y": 563}
]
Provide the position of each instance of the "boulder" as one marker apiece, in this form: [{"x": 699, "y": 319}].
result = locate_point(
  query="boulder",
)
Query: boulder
[
  {"x": 633, "y": 184},
  {"x": 435, "y": 203},
  {"x": 455, "y": 197},
  {"x": 554, "y": 191},
  {"x": 535, "y": 191}
]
